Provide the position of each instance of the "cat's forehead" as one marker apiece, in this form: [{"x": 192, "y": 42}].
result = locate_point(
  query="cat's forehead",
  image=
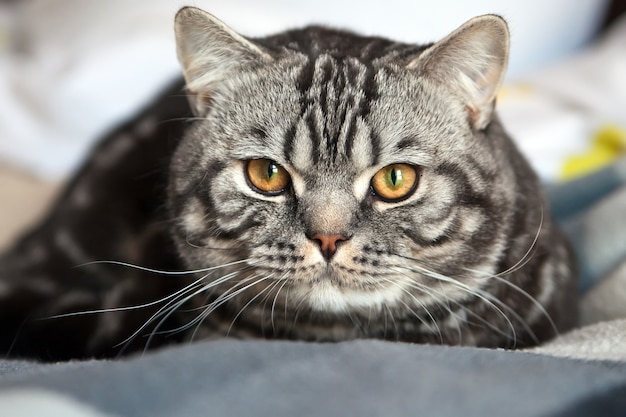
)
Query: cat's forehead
[{"x": 332, "y": 115}]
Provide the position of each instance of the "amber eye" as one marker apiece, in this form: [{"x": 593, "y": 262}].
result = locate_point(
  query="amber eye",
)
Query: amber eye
[
  {"x": 395, "y": 182},
  {"x": 266, "y": 176}
]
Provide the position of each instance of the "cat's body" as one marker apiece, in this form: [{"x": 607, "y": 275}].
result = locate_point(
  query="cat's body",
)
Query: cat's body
[
  {"x": 114, "y": 209},
  {"x": 331, "y": 187}
]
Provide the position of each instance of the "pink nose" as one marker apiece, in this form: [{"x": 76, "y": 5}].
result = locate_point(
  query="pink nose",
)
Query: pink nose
[{"x": 328, "y": 243}]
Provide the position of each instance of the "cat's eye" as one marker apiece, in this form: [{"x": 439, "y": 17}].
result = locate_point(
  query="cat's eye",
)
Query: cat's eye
[
  {"x": 395, "y": 182},
  {"x": 267, "y": 177}
]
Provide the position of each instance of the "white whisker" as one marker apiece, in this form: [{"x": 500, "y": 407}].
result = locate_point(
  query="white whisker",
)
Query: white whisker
[
  {"x": 532, "y": 299},
  {"x": 223, "y": 298},
  {"x": 469, "y": 311},
  {"x": 487, "y": 298},
  {"x": 241, "y": 310},
  {"x": 173, "y": 305},
  {"x": 157, "y": 271},
  {"x": 203, "y": 288},
  {"x": 421, "y": 304},
  {"x": 127, "y": 308},
  {"x": 285, "y": 281}
]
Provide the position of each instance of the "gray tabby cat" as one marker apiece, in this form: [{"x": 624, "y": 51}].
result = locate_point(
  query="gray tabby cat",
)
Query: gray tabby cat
[{"x": 330, "y": 187}]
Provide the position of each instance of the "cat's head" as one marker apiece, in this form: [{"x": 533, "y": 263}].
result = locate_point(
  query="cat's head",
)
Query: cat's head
[{"x": 345, "y": 174}]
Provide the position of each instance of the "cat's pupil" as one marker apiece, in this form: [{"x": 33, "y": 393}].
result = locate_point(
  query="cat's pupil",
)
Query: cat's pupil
[
  {"x": 395, "y": 176},
  {"x": 272, "y": 170}
]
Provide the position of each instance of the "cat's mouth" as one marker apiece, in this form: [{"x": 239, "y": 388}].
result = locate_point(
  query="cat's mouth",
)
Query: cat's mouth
[
  {"x": 325, "y": 296},
  {"x": 337, "y": 275}
]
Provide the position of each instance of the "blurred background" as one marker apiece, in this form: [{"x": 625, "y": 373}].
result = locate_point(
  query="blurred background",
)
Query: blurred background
[{"x": 71, "y": 69}]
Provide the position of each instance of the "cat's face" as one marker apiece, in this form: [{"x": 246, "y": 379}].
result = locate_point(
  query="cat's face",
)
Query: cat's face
[{"x": 342, "y": 184}]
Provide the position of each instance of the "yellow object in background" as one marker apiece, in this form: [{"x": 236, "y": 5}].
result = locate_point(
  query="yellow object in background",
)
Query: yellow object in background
[
  {"x": 607, "y": 144},
  {"x": 516, "y": 90}
]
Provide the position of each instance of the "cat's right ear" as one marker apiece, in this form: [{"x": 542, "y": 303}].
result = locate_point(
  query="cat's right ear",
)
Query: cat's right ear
[{"x": 210, "y": 52}]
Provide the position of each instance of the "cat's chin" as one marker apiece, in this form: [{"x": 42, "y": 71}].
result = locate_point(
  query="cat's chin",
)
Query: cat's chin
[{"x": 325, "y": 296}]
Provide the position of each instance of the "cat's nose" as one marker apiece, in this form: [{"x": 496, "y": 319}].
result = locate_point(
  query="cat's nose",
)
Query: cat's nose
[{"x": 328, "y": 243}]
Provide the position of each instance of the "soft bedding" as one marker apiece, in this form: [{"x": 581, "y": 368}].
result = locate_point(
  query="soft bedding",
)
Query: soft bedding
[{"x": 360, "y": 378}]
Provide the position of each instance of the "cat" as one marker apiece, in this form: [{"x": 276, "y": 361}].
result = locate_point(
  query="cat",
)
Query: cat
[{"x": 314, "y": 185}]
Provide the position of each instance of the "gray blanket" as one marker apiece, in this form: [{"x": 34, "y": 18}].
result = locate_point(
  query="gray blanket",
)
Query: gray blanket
[{"x": 360, "y": 378}]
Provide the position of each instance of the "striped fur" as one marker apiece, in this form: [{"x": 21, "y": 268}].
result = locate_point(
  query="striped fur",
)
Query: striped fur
[{"x": 470, "y": 257}]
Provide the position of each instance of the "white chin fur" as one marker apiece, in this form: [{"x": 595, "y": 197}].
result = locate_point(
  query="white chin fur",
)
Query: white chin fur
[{"x": 326, "y": 297}]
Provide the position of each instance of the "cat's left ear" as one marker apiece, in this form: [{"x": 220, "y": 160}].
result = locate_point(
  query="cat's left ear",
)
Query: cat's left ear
[
  {"x": 472, "y": 62},
  {"x": 210, "y": 53}
]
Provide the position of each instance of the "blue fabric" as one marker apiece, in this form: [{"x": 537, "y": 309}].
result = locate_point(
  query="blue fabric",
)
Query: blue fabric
[{"x": 592, "y": 212}]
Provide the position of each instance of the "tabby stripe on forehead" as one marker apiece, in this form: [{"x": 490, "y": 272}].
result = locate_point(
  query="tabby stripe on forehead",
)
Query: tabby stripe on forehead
[
  {"x": 339, "y": 112},
  {"x": 375, "y": 139},
  {"x": 313, "y": 134},
  {"x": 305, "y": 81},
  {"x": 370, "y": 89},
  {"x": 404, "y": 144},
  {"x": 347, "y": 146},
  {"x": 329, "y": 91},
  {"x": 288, "y": 139},
  {"x": 324, "y": 84},
  {"x": 259, "y": 132}
]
